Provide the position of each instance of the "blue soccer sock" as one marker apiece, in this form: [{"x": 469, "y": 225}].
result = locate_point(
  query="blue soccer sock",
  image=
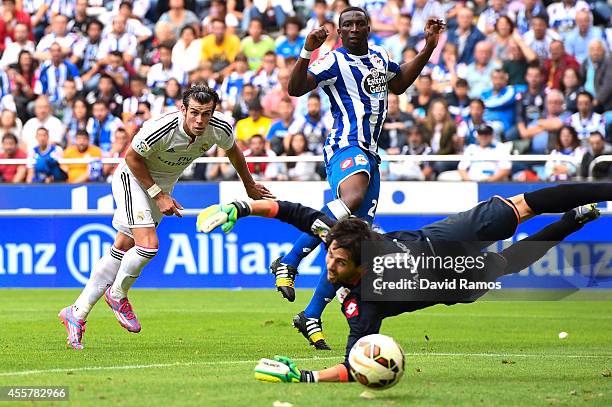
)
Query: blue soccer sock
[
  {"x": 323, "y": 294},
  {"x": 307, "y": 243}
]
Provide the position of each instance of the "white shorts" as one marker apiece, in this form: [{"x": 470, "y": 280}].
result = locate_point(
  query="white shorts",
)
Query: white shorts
[{"x": 134, "y": 207}]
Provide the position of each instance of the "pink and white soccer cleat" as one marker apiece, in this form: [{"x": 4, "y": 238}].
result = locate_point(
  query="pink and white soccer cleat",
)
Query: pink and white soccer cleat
[
  {"x": 123, "y": 312},
  {"x": 74, "y": 326}
]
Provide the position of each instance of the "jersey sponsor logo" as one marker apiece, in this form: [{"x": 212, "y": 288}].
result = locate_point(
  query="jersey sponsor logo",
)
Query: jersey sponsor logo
[
  {"x": 361, "y": 160},
  {"x": 85, "y": 247},
  {"x": 348, "y": 163},
  {"x": 143, "y": 146},
  {"x": 351, "y": 309},
  {"x": 171, "y": 150},
  {"x": 204, "y": 148},
  {"x": 375, "y": 83}
]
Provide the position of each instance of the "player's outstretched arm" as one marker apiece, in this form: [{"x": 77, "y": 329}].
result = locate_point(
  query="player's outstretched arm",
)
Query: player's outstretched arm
[
  {"x": 302, "y": 217},
  {"x": 283, "y": 369},
  {"x": 253, "y": 189},
  {"x": 409, "y": 71},
  {"x": 300, "y": 81}
]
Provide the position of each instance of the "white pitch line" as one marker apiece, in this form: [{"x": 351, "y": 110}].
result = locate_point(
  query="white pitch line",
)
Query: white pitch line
[{"x": 239, "y": 362}]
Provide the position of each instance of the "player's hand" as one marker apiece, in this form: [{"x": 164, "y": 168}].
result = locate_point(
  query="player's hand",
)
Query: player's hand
[
  {"x": 433, "y": 29},
  {"x": 221, "y": 215},
  {"x": 258, "y": 191},
  {"x": 315, "y": 39},
  {"x": 168, "y": 205},
  {"x": 279, "y": 369}
]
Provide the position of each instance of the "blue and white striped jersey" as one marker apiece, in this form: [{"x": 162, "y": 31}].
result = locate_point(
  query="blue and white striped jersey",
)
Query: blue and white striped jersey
[{"x": 357, "y": 89}]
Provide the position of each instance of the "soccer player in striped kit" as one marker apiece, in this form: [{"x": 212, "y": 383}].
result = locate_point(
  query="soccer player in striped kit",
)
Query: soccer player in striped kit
[
  {"x": 356, "y": 78},
  {"x": 142, "y": 188}
]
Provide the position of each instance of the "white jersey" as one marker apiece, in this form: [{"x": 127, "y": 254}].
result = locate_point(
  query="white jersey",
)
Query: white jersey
[{"x": 168, "y": 150}]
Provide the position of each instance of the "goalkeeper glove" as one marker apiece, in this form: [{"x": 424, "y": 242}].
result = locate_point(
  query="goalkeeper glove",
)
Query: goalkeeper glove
[
  {"x": 282, "y": 369},
  {"x": 222, "y": 215}
]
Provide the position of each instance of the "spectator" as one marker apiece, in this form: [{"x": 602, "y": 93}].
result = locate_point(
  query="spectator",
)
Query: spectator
[
  {"x": 106, "y": 92},
  {"x": 46, "y": 168},
  {"x": 267, "y": 76},
  {"x": 63, "y": 107},
  {"x": 542, "y": 132},
  {"x": 465, "y": 36},
  {"x": 396, "y": 126},
  {"x": 218, "y": 10},
  {"x": 102, "y": 125},
  {"x": 255, "y": 123},
  {"x": 530, "y": 9},
  {"x": 562, "y": 14},
  {"x": 597, "y": 73},
  {"x": 220, "y": 47},
  {"x": 59, "y": 34},
  {"x": 397, "y": 42},
  {"x": 133, "y": 25},
  {"x": 241, "y": 108},
  {"x": 272, "y": 12},
  {"x": 301, "y": 171},
  {"x": 291, "y": 43},
  {"x": 78, "y": 120},
  {"x": 529, "y": 104},
  {"x": 571, "y": 85},
  {"x": 332, "y": 42},
  {"x": 161, "y": 72},
  {"x": 488, "y": 19},
  {"x": 440, "y": 128},
  {"x": 222, "y": 171},
  {"x": 21, "y": 42},
  {"x": 568, "y": 145},
  {"x": 478, "y": 73},
  {"x": 231, "y": 88},
  {"x": 414, "y": 144},
  {"x": 256, "y": 44},
  {"x": 444, "y": 73},
  {"x": 43, "y": 118},
  {"x": 54, "y": 72},
  {"x": 555, "y": 66},
  {"x": 472, "y": 168},
  {"x": 121, "y": 143},
  {"x": 319, "y": 16},
  {"x": 419, "y": 104},
  {"x": 458, "y": 100},
  {"x": 171, "y": 100},
  {"x": 501, "y": 38},
  {"x": 540, "y": 37},
  {"x": 78, "y": 173},
  {"x": 520, "y": 56},
  {"x": 585, "y": 121},
  {"x": 467, "y": 130},
  {"x": 578, "y": 39},
  {"x": 279, "y": 92},
  {"x": 178, "y": 17},
  {"x": 11, "y": 18},
  {"x": 262, "y": 171},
  {"x": 86, "y": 54},
  {"x": 140, "y": 7},
  {"x": 597, "y": 147},
  {"x": 9, "y": 123},
  {"x": 420, "y": 11},
  {"x": 12, "y": 172},
  {"x": 140, "y": 93},
  {"x": 311, "y": 125},
  {"x": 23, "y": 78},
  {"x": 500, "y": 101},
  {"x": 118, "y": 39},
  {"x": 186, "y": 52},
  {"x": 79, "y": 23},
  {"x": 383, "y": 19},
  {"x": 280, "y": 127}
]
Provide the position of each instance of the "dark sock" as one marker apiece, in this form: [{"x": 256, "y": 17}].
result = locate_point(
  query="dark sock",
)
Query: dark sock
[
  {"x": 529, "y": 250},
  {"x": 563, "y": 198}
]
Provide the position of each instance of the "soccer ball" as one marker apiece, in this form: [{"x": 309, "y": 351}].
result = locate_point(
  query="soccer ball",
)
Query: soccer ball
[{"x": 377, "y": 361}]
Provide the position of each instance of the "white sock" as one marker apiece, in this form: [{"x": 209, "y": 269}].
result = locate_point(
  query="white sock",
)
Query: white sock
[
  {"x": 131, "y": 266},
  {"x": 102, "y": 275}
]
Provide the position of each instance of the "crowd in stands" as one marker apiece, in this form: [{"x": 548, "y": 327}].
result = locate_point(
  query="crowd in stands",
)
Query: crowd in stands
[{"x": 79, "y": 77}]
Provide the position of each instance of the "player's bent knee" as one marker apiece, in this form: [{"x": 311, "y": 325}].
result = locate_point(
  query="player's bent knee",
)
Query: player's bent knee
[
  {"x": 524, "y": 211},
  {"x": 145, "y": 237}
]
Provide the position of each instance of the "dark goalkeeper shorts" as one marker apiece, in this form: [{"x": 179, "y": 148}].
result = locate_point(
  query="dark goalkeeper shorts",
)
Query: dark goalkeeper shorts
[{"x": 494, "y": 219}]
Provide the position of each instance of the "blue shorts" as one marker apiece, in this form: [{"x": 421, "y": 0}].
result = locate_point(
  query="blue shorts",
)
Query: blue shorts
[{"x": 351, "y": 160}]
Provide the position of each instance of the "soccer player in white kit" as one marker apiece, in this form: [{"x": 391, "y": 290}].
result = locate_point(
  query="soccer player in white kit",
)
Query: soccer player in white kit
[{"x": 142, "y": 188}]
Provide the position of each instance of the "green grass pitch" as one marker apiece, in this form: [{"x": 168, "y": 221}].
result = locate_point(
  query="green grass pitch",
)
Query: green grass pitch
[{"x": 199, "y": 348}]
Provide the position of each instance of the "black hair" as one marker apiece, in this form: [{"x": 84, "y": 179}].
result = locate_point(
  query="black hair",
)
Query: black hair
[
  {"x": 359, "y": 9},
  {"x": 573, "y": 132},
  {"x": 82, "y": 132},
  {"x": 294, "y": 21},
  {"x": 585, "y": 93},
  {"x": 314, "y": 95},
  {"x": 349, "y": 234},
  {"x": 479, "y": 101},
  {"x": 461, "y": 83},
  {"x": 201, "y": 93},
  {"x": 188, "y": 27},
  {"x": 94, "y": 22},
  {"x": 9, "y": 136}
]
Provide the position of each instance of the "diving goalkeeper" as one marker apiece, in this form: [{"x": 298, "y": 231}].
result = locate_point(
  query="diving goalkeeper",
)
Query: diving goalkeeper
[{"x": 489, "y": 221}]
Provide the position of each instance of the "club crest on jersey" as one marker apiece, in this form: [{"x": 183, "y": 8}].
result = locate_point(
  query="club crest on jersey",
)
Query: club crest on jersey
[
  {"x": 143, "y": 146},
  {"x": 204, "y": 148},
  {"x": 350, "y": 308},
  {"x": 375, "y": 83},
  {"x": 360, "y": 160},
  {"x": 348, "y": 163}
]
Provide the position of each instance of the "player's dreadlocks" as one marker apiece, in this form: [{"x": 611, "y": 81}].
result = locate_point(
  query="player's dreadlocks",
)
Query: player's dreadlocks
[
  {"x": 201, "y": 94},
  {"x": 350, "y": 234}
]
